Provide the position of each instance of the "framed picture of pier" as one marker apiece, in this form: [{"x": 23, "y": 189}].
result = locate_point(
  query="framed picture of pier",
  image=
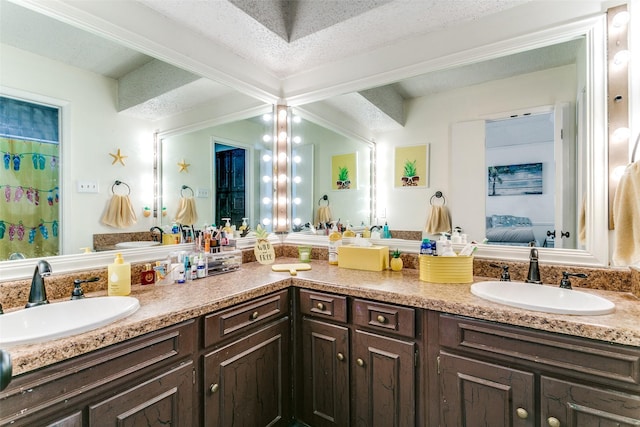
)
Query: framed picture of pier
[{"x": 514, "y": 180}]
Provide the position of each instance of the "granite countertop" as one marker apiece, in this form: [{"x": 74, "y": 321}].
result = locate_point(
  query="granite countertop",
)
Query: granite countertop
[{"x": 165, "y": 305}]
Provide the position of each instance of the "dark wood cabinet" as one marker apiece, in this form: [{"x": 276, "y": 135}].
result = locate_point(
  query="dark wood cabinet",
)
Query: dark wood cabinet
[
  {"x": 384, "y": 381},
  {"x": 247, "y": 382},
  {"x": 498, "y": 375},
  {"x": 165, "y": 400},
  {"x": 479, "y": 394},
  {"x": 358, "y": 372},
  {"x": 325, "y": 367},
  {"x": 574, "y": 405}
]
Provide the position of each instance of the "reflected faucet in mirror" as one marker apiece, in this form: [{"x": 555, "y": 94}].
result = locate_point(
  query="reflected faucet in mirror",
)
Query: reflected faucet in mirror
[
  {"x": 38, "y": 292},
  {"x": 154, "y": 234}
]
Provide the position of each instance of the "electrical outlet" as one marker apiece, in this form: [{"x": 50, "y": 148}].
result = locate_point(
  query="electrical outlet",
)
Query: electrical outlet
[
  {"x": 202, "y": 192},
  {"x": 87, "y": 186}
]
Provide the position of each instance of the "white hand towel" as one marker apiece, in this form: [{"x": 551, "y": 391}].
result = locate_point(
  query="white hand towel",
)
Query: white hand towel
[{"x": 626, "y": 217}]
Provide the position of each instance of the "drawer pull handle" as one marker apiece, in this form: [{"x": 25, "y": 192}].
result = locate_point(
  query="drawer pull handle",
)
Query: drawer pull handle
[
  {"x": 254, "y": 315},
  {"x": 320, "y": 306},
  {"x": 522, "y": 413},
  {"x": 360, "y": 362},
  {"x": 382, "y": 319},
  {"x": 213, "y": 388},
  {"x": 553, "y": 422},
  {"x": 340, "y": 357}
]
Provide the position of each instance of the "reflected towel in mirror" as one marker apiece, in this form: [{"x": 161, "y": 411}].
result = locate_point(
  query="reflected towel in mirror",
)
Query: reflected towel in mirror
[
  {"x": 324, "y": 214},
  {"x": 119, "y": 213},
  {"x": 187, "y": 214},
  {"x": 626, "y": 217},
  {"x": 439, "y": 220}
]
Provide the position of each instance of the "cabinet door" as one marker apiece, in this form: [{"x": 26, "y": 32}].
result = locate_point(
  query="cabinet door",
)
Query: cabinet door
[
  {"x": 164, "y": 400},
  {"x": 325, "y": 365},
  {"x": 248, "y": 382},
  {"x": 384, "y": 381},
  {"x": 478, "y": 394},
  {"x": 567, "y": 404}
]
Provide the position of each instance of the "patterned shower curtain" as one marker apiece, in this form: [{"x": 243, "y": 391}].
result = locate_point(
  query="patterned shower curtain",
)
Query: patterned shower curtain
[{"x": 29, "y": 186}]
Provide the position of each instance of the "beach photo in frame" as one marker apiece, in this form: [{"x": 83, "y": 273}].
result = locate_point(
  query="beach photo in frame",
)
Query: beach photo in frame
[
  {"x": 411, "y": 166},
  {"x": 344, "y": 171},
  {"x": 514, "y": 180}
]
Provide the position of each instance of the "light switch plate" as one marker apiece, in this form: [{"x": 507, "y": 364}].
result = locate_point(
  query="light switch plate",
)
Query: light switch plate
[
  {"x": 87, "y": 186},
  {"x": 202, "y": 192}
]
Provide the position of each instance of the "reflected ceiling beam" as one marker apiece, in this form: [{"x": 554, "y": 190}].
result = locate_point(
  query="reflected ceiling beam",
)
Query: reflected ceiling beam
[
  {"x": 388, "y": 101},
  {"x": 153, "y": 79}
]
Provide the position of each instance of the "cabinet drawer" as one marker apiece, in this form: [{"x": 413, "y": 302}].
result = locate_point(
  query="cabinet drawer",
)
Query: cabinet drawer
[
  {"x": 239, "y": 318},
  {"x": 385, "y": 317},
  {"x": 323, "y": 305},
  {"x": 578, "y": 357}
]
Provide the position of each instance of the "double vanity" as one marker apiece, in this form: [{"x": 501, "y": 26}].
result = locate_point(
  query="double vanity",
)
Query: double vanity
[{"x": 332, "y": 347}]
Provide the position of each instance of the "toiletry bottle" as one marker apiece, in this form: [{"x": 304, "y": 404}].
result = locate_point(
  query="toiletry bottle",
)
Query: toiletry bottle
[
  {"x": 423, "y": 247},
  {"x": 119, "y": 277},
  {"x": 148, "y": 275},
  {"x": 386, "y": 234},
  {"x": 335, "y": 240},
  {"x": 201, "y": 271}
]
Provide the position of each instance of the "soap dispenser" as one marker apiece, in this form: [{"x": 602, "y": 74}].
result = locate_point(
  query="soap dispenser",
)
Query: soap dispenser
[{"x": 119, "y": 277}]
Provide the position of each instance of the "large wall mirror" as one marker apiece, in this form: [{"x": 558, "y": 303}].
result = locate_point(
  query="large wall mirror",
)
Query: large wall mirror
[{"x": 535, "y": 103}]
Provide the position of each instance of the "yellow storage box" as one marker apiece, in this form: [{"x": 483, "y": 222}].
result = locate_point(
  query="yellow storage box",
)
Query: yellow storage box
[
  {"x": 371, "y": 258},
  {"x": 446, "y": 269}
]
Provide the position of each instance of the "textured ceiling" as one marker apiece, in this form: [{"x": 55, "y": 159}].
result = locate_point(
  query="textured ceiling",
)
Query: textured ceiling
[{"x": 284, "y": 37}]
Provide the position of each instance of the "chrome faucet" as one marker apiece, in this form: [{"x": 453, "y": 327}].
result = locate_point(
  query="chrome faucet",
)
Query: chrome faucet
[
  {"x": 38, "y": 292},
  {"x": 534, "y": 269}
]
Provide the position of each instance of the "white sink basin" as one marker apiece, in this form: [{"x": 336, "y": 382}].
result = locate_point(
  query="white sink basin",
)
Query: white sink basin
[
  {"x": 542, "y": 298},
  {"x": 61, "y": 319},
  {"x": 137, "y": 244}
]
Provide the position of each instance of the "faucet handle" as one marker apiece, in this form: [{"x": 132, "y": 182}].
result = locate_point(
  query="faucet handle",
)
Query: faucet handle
[
  {"x": 505, "y": 276},
  {"x": 565, "y": 283},
  {"x": 77, "y": 292}
]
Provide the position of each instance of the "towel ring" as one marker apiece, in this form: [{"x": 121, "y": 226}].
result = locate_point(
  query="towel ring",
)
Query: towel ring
[
  {"x": 438, "y": 195},
  {"x": 186, "y": 187},
  {"x": 325, "y": 198},
  {"x": 118, "y": 183}
]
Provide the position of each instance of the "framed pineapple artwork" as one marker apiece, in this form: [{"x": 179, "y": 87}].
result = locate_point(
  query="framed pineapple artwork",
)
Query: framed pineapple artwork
[
  {"x": 344, "y": 171},
  {"x": 411, "y": 166}
]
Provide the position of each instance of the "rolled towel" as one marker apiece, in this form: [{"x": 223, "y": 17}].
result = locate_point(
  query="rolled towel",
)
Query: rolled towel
[
  {"x": 119, "y": 212},
  {"x": 187, "y": 214},
  {"x": 439, "y": 220},
  {"x": 626, "y": 217}
]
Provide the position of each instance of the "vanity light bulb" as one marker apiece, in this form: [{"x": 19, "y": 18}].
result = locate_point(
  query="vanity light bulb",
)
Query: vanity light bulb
[
  {"x": 297, "y": 159},
  {"x": 621, "y": 19},
  {"x": 621, "y": 57},
  {"x": 282, "y": 200},
  {"x": 266, "y": 201},
  {"x": 297, "y": 200},
  {"x": 297, "y": 139},
  {"x": 282, "y": 114},
  {"x": 282, "y": 178},
  {"x": 266, "y": 221},
  {"x": 282, "y": 156},
  {"x": 282, "y": 136},
  {"x": 266, "y": 158},
  {"x": 282, "y": 221},
  {"x": 297, "y": 180},
  {"x": 267, "y": 117},
  {"x": 297, "y": 221},
  {"x": 621, "y": 134},
  {"x": 297, "y": 119},
  {"x": 266, "y": 138},
  {"x": 266, "y": 179}
]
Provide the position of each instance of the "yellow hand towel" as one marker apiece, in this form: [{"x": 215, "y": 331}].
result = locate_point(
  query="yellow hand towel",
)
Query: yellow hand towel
[
  {"x": 187, "y": 214},
  {"x": 324, "y": 214},
  {"x": 626, "y": 217},
  {"x": 439, "y": 220},
  {"x": 119, "y": 212},
  {"x": 582, "y": 222}
]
